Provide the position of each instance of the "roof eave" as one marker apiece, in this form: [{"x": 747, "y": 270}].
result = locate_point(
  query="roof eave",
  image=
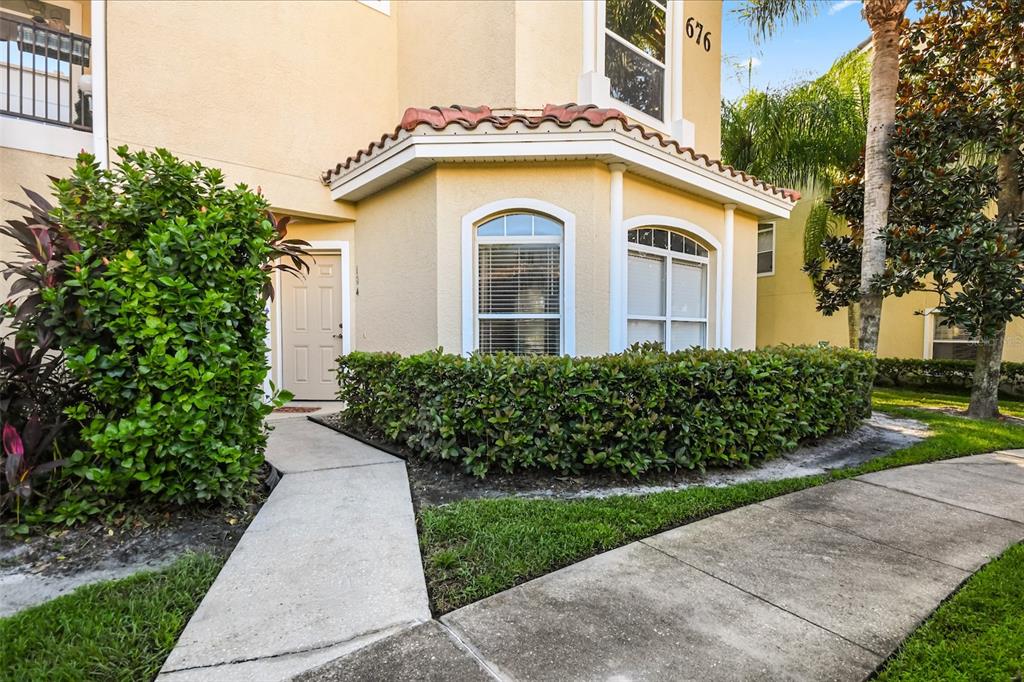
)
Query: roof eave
[{"x": 413, "y": 153}]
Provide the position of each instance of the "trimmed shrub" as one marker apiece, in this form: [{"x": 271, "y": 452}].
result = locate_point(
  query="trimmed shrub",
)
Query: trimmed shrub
[
  {"x": 630, "y": 414},
  {"x": 151, "y": 278},
  {"x": 943, "y": 374}
]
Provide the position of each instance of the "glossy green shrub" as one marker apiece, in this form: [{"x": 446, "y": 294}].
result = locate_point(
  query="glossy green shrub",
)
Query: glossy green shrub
[
  {"x": 632, "y": 413},
  {"x": 943, "y": 374},
  {"x": 159, "y": 308}
]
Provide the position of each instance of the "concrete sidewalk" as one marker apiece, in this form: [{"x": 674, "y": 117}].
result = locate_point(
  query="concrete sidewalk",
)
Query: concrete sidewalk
[
  {"x": 330, "y": 564},
  {"x": 821, "y": 584}
]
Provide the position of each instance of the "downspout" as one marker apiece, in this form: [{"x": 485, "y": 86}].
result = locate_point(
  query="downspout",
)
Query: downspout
[{"x": 99, "y": 82}]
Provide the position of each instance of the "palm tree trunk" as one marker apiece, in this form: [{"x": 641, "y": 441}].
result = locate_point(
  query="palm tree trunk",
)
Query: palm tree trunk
[
  {"x": 988, "y": 365},
  {"x": 884, "y": 17},
  {"x": 853, "y": 323}
]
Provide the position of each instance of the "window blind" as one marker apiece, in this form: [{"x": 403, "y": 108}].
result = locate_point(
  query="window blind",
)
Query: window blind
[{"x": 519, "y": 297}]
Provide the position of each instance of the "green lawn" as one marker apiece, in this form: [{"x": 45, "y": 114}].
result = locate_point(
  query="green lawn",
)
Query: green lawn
[
  {"x": 116, "y": 630},
  {"x": 124, "y": 629},
  {"x": 475, "y": 548},
  {"x": 977, "y": 635}
]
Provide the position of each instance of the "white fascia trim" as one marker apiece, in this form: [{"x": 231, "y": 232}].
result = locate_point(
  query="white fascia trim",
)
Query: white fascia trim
[
  {"x": 469, "y": 224},
  {"x": 43, "y": 138},
  {"x": 703, "y": 234},
  {"x": 604, "y": 145}
]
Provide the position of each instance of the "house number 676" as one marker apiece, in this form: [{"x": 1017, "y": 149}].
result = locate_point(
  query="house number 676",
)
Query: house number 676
[{"x": 695, "y": 30}]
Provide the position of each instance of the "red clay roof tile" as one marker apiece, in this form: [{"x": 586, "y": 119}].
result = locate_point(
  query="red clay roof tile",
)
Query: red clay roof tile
[{"x": 563, "y": 115}]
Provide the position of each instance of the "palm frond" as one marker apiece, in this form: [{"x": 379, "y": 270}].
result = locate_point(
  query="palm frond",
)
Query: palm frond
[
  {"x": 766, "y": 17},
  {"x": 821, "y": 223}
]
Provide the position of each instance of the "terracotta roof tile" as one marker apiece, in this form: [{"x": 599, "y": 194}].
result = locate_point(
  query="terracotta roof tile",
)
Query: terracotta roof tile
[{"x": 563, "y": 115}]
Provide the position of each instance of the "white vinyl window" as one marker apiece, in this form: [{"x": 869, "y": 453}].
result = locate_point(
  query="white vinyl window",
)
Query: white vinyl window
[
  {"x": 634, "y": 53},
  {"x": 519, "y": 284},
  {"x": 667, "y": 289},
  {"x": 951, "y": 343},
  {"x": 766, "y": 249}
]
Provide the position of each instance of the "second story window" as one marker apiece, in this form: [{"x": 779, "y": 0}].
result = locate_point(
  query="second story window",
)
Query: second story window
[{"x": 634, "y": 53}]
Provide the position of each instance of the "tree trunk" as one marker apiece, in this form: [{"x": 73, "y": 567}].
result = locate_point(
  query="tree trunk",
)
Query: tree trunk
[
  {"x": 988, "y": 366},
  {"x": 985, "y": 384},
  {"x": 884, "y": 17},
  {"x": 853, "y": 323}
]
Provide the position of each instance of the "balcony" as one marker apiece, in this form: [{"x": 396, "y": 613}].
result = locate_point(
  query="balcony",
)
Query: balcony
[{"x": 44, "y": 74}]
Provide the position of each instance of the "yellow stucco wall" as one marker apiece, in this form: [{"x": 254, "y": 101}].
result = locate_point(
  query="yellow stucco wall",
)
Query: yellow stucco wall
[
  {"x": 702, "y": 77},
  {"x": 271, "y": 92},
  {"x": 786, "y": 307},
  {"x": 456, "y": 53},
  {"x": 549, "y": 49},
  {"x": 643, "y": 197},
  {"x": 581, "y": 189},
  {"x": 396, "y": 272}
]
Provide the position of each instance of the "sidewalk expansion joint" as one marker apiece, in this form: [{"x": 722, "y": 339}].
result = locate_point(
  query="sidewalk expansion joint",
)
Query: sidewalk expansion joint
[
  {"x": 764, "y": 600},
  {"x": 847, "y": 531},
  {"x": 397, "y": 627},
  {"x": 932, "y": 499},
  {"x": 463, "y": 642},
  {"x": 340, "y": 466}
]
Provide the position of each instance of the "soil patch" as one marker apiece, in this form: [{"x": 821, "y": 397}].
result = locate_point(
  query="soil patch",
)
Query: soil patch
[
  {"x": 46, "y": 565},
  {"x": 437, "y": 483}
]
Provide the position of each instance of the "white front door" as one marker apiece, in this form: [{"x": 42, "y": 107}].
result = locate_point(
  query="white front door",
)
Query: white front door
[{"x": 311, "y": 329}]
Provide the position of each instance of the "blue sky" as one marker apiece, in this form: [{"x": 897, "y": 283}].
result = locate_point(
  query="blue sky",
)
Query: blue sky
[{"x": 795, "y": 53}]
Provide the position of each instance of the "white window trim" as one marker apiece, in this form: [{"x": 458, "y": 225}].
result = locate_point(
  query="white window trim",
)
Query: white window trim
[
  {"x": 621, "y": 288},
  {"x": 673, "y": 74},
  {"x": 758, "y": 253},
  {"x": 595, "y": 88},
  {"x": 667, "y": 256},
  {"x": 276, "y": 344},
  {"x": 470, "y": 223}
]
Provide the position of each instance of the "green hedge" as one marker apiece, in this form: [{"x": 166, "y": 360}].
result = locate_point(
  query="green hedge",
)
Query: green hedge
[
  {"x": 943, "y": 374},
  {"x": 632, "y": 413}
]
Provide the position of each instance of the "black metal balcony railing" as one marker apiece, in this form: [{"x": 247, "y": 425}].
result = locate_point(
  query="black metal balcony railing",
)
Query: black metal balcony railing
[{"x": 44, "y": 74}]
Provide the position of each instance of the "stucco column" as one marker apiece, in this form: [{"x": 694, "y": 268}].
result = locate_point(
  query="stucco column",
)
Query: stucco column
[
  {"x": 728, "y": 256},
  {"x": 98, "y": 59},
  {"x": 616, "y": 262}
]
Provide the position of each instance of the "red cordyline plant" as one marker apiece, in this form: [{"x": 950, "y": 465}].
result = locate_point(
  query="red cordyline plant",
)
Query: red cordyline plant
[{"x": 34, "y": 388}]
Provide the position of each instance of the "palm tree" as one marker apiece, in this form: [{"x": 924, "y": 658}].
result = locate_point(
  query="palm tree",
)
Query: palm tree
[
  {"x": 885, "y": 18},
  {"x": 807, "y": 136}
]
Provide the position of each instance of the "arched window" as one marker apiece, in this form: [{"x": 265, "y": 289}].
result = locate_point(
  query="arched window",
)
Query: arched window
[
  {"x": 519, "y": 284},
  {"x": 667, "y": 284}
]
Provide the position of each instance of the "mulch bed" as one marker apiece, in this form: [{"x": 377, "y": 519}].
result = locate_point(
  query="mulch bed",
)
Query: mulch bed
[
  {"x": 436, "y": 483},
  {"x": 141, "y": 536},
  {"x": 291, "y": 409}
]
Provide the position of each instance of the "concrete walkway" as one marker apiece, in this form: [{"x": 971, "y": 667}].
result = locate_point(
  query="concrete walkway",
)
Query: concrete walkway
[
  {"x": 821, "y": 584},
  {"x": 330, "y": 564}
]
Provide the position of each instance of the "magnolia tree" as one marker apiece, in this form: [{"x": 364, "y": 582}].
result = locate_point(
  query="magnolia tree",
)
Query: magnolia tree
[{"x": 956, "y": 223}]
